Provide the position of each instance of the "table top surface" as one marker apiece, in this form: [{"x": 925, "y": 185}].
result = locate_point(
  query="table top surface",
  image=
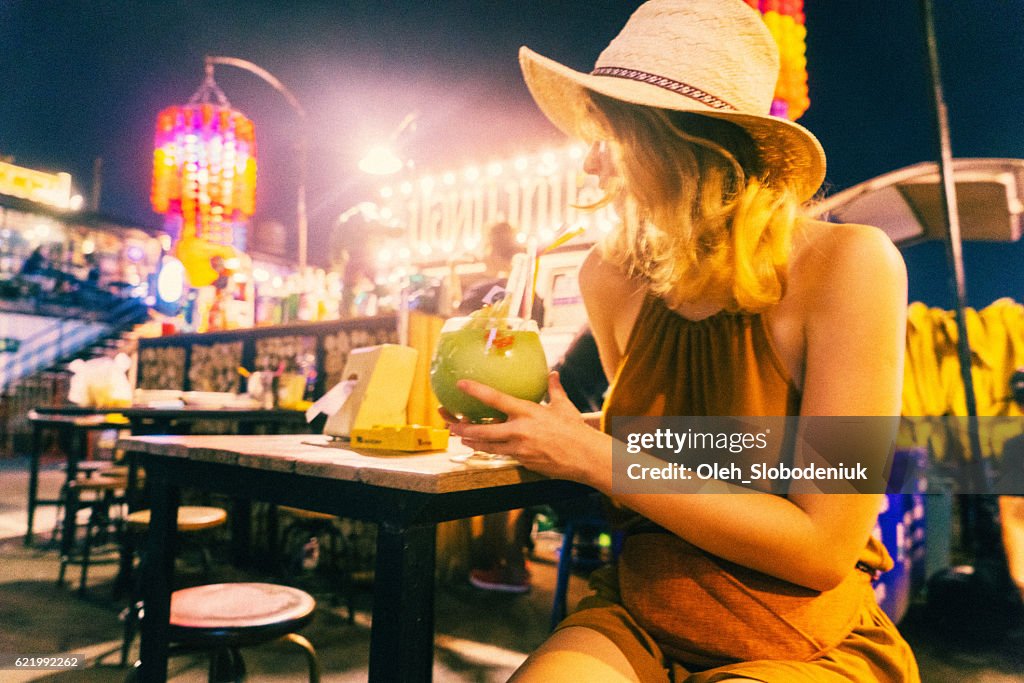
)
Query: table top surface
[
  {"x": 80, "y": 420},
  {"x": 318, "y": 456},
  {"x": 181, "y": 412}
]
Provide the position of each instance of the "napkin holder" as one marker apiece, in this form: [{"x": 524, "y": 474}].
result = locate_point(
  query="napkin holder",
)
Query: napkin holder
[{"x": 377, "y": 381}]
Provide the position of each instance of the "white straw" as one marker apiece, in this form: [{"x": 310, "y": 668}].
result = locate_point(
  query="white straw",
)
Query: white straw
[
  {"x": 517, "y": 284},
  {"x": 526, "y": 309}
]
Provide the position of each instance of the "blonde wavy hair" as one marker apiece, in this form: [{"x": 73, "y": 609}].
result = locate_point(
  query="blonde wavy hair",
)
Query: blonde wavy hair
[{"x": 702, "y": 220}]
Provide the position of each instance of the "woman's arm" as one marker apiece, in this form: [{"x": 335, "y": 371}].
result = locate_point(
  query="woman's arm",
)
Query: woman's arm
[
  {"x": 854, "y": 311},
  {"x": 854, "y": 327}
]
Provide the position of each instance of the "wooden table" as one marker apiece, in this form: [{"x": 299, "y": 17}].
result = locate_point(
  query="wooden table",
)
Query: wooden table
[
  {"x": 179, "y": 420},
  {"x": 74, "y": 421},
  {"x": 406, "y": 495},
  {"x": 73, "y": 437}
]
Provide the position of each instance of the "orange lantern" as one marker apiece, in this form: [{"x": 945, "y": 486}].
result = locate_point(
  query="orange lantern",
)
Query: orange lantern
[
  {"x": 204, "y": 174},
  {"x": 785, "y": 19}
]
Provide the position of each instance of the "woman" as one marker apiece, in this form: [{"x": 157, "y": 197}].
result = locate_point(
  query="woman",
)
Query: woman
[{"x": 715, "y": 298}]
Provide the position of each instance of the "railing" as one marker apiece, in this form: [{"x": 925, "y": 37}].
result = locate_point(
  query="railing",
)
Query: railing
[
  {"x": 46, "y": 346},
  {"x": 57, "y": 341},
  {"x": 25, "y": 387}
]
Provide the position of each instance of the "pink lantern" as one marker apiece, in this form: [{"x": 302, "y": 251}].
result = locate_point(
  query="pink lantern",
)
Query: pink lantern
[{"x": 204, "y": 166}]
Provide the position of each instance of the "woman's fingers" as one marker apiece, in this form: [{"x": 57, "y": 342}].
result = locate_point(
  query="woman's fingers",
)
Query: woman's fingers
[
  {"x": 489, "y": 433},
  {"x": 556, "y": 392},
  {"x": 510, "y": 405}
]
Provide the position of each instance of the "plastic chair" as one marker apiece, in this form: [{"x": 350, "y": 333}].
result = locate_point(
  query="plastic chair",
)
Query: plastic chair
[{"x": 567, "y": 558}]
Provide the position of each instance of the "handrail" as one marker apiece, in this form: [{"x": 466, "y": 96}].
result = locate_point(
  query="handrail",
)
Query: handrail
[
  {"x": 32, "y": 347},
  {"x": 30, "y": 356}
]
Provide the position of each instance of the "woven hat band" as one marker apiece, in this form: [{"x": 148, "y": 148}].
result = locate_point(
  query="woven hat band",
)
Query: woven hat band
[{"x": 679, "y": 87}]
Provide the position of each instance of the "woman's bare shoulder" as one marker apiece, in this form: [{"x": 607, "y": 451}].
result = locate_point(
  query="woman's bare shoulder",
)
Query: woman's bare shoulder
[
  {"x": 606, "y": 287},
  {"x": 836, "y": 259},
  {"x": 598, "y": 274}
]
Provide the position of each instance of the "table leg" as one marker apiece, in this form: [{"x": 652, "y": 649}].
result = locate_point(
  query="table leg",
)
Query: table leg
[
  {"x": 78, "y": 448},
  {"x": 69, "y": 528},
  {"x": 403, "y": 604},
  {"x": 33, "y": 480},
  {"x": 241, "y": 531},
  {"x": 157, "y": 579},
  {"x": 75, "y": 441},
  {"x": 123, "y": 581}
]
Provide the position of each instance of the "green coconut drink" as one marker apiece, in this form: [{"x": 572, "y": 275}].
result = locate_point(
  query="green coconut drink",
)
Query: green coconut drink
[{"x": 503, "y": 353}]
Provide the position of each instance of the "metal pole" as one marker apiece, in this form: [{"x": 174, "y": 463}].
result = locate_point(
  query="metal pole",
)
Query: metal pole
[
  {"x": 97, "y": 184},
  {"x": 954, "y": 257},
  {"x": 303, "y": 145}
]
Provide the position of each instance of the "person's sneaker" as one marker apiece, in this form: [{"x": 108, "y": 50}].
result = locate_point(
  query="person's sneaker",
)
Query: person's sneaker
[{"x": 500, "y": 579}]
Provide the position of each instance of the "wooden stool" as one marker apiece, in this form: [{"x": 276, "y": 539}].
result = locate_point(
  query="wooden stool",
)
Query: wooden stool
[
  {"x": 109, "y": 492},
  {"x": 191, "y": 519},
  {"x": 223, "y": 617},
  {"x": 306, "y": 525}
]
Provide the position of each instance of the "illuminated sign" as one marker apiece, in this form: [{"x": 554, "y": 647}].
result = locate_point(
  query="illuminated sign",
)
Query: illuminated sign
[
  {"x": 446, "y": 215},
  {"x": 53, "y": 189}
]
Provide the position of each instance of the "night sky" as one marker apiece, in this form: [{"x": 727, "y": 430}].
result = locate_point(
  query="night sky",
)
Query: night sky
[{"x": 82, "y": 80}]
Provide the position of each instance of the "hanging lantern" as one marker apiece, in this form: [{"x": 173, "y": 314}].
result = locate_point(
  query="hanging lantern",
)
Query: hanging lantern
[
  {"x": 785, "y": 19},
  {"x": 204, "y": 173}
]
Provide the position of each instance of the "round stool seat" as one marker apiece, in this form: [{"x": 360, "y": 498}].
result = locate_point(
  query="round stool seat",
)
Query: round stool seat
[
  {"x": 90, "y": 466},
  {"x": 85, "y": 483},
  {"x": 307, "y": 514},
  {"x": 238, "y": 613},
  {"x": 190, "y": 518},
  {"x": 120, "y": 471}
]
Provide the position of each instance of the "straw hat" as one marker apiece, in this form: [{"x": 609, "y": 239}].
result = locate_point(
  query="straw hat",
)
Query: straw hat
[{"x": 710, "y": 57}]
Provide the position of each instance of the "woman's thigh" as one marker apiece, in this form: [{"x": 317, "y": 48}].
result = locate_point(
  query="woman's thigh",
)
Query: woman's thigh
[{"x": 576, "y": 654}]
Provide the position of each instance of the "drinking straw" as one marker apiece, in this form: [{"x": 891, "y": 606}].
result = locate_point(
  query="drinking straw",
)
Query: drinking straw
[
  {"x": 519, "y": 297},
  {"x": 559, "y": 240},
  {"x": 515, "y": 288},
  {"x": 526, "y": 304}
]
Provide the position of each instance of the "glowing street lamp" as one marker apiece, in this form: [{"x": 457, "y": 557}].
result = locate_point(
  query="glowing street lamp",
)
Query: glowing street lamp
[
  {"x": 303, "y": 144},
  {"x": 382, "y": 159}
]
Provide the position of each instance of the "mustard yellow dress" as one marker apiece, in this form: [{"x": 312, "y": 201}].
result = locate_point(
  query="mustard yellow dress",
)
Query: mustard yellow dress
[{"x": 680, "y": 614}]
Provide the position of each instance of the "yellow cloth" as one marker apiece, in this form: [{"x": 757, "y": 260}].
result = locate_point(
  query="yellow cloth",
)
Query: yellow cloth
[
  {"x": 933, "y": 384},
  {"x": 674, "y": 609},
  {"x": 424, "y": 330},
  {"x": 453, "y": 538}
]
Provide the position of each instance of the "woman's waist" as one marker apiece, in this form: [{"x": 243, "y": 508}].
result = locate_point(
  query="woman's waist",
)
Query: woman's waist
[{"x": 873, "y": 559}]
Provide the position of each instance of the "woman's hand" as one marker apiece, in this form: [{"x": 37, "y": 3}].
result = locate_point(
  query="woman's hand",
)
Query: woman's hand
[{"x": 552, "y": 438}]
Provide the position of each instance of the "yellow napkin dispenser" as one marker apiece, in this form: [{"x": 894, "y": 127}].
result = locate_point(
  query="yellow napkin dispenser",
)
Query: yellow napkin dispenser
[
  {"x": 401, "y": 438},
  {"x": 379, "y": 379}
]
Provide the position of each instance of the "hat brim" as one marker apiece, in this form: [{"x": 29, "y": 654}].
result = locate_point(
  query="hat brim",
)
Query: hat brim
[{"x": 790, "y": 151}]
